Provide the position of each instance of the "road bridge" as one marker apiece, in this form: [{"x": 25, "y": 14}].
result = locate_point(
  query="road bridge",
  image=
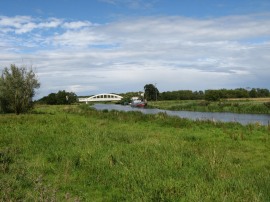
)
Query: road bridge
[{"x": 101, "y": 98}]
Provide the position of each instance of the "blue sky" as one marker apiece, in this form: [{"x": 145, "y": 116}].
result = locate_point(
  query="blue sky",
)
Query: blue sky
[{"x": 98, "y": 46}]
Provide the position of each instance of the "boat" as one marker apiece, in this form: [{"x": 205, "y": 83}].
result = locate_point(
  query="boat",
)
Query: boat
[{"x": 138, "y": 103}]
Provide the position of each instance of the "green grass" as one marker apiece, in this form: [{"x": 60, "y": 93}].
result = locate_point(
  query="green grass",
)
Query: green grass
[
  {"x": 72, "y": 153},
  {"x": 236, "y": 106}
]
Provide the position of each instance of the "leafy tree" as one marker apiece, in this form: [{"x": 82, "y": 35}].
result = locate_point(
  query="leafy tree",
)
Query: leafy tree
[
  {"x": 151, "y": 92},
  {"x": 64, "y": 97},
  {"x": 198, "y": 95},
  {"x": 262, "y": 92},
  {"x": 212, "y": 95},
  {"x": 253, "y": 93},
  {"x": 59, "y": 98},
  {"x": 241, "y": 93},
  {"x": 49, "y": 99},
  {"x": 17, "y": 87}
]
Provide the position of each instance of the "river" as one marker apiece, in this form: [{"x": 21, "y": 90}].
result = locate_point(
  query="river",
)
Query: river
[{"x": 244, "y": 119}]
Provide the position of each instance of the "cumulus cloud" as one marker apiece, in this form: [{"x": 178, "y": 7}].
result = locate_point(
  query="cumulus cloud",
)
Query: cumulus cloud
[{"x": 173, "y": 51}]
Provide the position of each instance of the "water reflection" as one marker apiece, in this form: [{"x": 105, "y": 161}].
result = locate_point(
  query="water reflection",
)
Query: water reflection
[{"x": 244, "y": 119}]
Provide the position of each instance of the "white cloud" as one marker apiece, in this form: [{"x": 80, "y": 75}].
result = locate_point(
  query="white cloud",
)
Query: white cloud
[
  {"x": 26, "y": 24},
  {"x": 133, "y": 4},
  {"x": 80, "y": 88},
  {"x": 175, "y": 52},
  {"x": 50, "y": 23},
  {"x": 16, "y": 21},
  {"x": 82, "y": 38},
  {"x": 76, "y": 25}
]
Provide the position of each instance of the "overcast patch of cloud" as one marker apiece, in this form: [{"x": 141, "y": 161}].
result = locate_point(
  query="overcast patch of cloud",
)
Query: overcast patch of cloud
[{"x": 175, "y": 52}]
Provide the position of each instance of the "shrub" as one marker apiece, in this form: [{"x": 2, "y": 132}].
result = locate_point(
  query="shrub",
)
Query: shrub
[
  {"x": 267, "y": 104},
  {"x": 204, "y": 103}
]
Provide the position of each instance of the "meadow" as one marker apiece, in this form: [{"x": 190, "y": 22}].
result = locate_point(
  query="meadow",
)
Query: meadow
[
  {"x": 75, "y": 153},
  {"x": 246, "y": 105}
]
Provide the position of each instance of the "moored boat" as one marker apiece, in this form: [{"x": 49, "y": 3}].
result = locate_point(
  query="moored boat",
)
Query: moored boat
[{"x": 138, "y": 103}]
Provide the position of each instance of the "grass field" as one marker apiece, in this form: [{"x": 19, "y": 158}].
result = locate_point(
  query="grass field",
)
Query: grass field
[
  {"x": 73, "y": 153},
  {"x": 250, "y": 105}
]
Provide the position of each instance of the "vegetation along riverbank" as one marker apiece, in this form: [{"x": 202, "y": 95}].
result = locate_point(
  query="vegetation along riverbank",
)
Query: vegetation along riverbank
[
  {"x": 246, "y": 105},
  {"x": 73, "y": 153}
]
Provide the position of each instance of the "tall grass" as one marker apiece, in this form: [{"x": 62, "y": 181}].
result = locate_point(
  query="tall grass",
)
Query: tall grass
[
  {"x": 236, "y": 106},
  {"x": 80, "y": 154}
]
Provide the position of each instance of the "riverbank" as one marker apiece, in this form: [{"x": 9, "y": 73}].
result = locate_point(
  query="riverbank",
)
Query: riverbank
[
  {"x": 61, "y": 153},
  {"x": 249, "y": 106},
  {"x": 245, "y": 119}
]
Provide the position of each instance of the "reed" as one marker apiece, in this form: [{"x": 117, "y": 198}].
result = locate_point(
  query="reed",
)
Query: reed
[{"x": 236, "y": 106}]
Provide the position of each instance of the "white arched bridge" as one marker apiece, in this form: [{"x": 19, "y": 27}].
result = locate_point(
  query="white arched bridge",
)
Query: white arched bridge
[{"x": 101, "y": 97}]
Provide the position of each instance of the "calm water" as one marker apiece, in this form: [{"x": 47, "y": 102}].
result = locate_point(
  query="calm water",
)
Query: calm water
[{"x": 244, "y": 119}]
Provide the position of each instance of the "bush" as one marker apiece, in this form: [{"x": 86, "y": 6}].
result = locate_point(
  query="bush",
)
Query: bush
[
  {"x": 204, "y": 103},
  {"x": 267, "y": 104}
]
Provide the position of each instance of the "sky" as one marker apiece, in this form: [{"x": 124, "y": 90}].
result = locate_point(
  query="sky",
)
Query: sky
[{"x": 117, "y": 46}]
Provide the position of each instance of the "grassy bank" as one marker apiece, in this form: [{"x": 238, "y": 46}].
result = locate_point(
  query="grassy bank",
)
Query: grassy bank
[
  {"x": 253, "y": 106},
  {"x": 71, "y": 153}
]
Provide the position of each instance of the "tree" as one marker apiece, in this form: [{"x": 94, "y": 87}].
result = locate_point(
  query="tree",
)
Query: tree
[
  {"x": 151, "y": 92},
  {"x": 64, "y": 97},
  {"x": 262, "y": 92},
  {"x": 253, "y": 93},
  {"x": 60, "y": 98},
  {"x": 212, "y": 95},
  {"x": 17, "y": 87},
  {"x": 49, "y": 99}
]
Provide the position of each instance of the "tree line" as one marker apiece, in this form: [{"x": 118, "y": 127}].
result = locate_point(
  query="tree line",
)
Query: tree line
[
  {"x": 214, "y": 95},
  {"x": 181, "y": 95},
  {"x": 152, "y": 93}
]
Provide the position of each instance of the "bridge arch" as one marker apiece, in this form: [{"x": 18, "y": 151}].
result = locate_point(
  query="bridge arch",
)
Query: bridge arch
[{"x": 101, "y": 97}]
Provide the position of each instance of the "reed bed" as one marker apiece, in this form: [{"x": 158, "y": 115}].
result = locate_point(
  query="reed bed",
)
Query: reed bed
[{"x": 250, "y": 106}]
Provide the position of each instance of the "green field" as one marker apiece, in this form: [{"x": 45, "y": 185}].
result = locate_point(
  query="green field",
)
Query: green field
[
  {"x": 73, "y": 153},
  {"x": 253, "y": 106}
]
